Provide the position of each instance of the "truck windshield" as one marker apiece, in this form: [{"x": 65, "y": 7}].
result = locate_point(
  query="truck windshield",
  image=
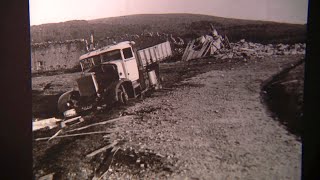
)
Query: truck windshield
[
  {"x": 111, "y": 55},
  {"x": 90, "y": 62}
]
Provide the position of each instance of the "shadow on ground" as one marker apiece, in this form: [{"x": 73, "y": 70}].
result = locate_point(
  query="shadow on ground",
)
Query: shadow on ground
[
  {"x": 44, "y": 105},
  {"x": 283, "y": 94}
]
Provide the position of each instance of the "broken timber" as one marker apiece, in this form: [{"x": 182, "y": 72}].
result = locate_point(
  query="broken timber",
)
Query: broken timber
[
  {"x": 113, "y": 151},
  {"x": 72, "y": 135},
  {"x": 205, "y": 45},
  {"x": 102, "y": 123},
  {"x": 51, "y": 123},
  {"x": 65, "y": 123},
  {"x": 55, "y": 135},
  {"x": 102, "y": 149}
]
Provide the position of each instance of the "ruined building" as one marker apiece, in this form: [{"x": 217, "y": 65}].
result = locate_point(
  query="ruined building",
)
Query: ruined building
[{"x": 49, "y": 56}]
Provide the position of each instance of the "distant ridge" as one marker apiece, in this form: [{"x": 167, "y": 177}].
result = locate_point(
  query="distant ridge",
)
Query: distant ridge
[{"x": 183, "y": 25}]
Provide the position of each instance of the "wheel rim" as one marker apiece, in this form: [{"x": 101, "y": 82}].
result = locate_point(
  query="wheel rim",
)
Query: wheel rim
[{"x": 122, "y": 95}]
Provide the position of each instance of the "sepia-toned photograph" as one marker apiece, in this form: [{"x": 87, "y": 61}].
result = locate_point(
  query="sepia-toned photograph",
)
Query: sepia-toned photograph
[{"x": 180, "y": 89}]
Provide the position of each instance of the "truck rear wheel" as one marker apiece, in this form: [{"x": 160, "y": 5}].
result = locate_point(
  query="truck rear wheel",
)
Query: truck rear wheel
[{"x": 122, "y": 95}]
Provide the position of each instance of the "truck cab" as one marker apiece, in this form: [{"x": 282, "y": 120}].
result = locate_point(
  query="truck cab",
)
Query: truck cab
[{"x": 120, "y": 55}]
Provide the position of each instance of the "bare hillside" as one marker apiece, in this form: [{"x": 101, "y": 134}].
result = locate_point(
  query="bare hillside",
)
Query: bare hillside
[{"x": 184, "y": 25}]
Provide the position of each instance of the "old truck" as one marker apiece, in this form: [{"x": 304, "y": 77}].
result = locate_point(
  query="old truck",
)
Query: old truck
[{"x": 112, "y": 75}]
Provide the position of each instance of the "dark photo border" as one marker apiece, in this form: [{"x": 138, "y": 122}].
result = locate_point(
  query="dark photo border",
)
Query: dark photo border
[{"x": 16, "y": 114}]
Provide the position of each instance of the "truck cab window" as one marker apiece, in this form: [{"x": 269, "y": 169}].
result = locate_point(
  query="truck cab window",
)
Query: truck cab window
[
  {"x": 96, "y": 60},
  {"x": 86, "y": 64},
  {"x": 127, "y": 53},
  {"x": 111, "y": 55}
]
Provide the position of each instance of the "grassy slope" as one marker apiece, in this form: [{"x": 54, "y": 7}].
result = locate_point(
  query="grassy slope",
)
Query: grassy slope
[{"x": 183, "y": 25}]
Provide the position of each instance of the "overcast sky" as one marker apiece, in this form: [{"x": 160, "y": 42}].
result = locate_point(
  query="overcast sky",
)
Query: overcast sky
[{"x": 50, "y": 11}]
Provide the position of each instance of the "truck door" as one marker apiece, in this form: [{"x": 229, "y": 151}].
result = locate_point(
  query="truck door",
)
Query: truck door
[{"x": 131, "y": 64}]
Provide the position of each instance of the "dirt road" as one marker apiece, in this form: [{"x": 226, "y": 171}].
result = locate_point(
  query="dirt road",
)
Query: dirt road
[
  {"x": 212, "y": 125},
  {"x": 216, "y": 126}
]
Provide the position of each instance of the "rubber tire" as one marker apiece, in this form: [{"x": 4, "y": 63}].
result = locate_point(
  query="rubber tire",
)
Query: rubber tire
[
  {"x": 122, "y": 96},
  {"x": 64, "y": 99}
]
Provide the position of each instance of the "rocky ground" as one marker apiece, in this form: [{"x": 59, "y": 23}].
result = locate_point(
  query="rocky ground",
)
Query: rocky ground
[{"x": 208, "y": 122}]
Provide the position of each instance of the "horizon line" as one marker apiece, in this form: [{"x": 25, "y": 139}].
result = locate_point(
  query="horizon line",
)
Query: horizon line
[{"x": 270, "y": 21}]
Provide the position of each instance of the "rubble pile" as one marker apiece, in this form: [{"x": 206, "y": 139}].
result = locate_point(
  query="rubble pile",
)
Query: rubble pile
[
  {"x": 205, "y": 45},
  {"x": 243, "y": 49},
  {"x": 217, "y": 46}
]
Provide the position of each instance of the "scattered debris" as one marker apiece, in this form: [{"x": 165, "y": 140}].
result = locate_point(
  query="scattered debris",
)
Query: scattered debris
[
  {"x": 65, "y": 123},
  {"x": 72, "y": 135},
  {"x": 55, "y": 135},
  {"x": 102, "y": 123},
  {"x": 160, "y": 155},
  {"x": 53, "y": 122},
  {"x": 102, "y": 149},
  {"x": 201, "y": 47},
  {"x": 218, "y": 47},
  {"x": 205, "y": 45},
  {"x": 50, "y": 123},
  {"x": 113, "y": 151},
  {"x": 243, "y": 49},
  {"x": 47, "y": 177}
]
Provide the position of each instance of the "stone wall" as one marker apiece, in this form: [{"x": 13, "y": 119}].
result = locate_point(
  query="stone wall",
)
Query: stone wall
[{"x": 50, "y": 56}]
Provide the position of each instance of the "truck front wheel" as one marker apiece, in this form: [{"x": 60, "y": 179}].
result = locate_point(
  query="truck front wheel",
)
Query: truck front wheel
[
  {"x": 122, "y": 95},
  {"x": 67, "y": 103}
]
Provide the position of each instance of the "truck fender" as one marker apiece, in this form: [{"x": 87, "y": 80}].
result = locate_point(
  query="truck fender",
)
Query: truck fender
[{"x": 65, "y": 98}]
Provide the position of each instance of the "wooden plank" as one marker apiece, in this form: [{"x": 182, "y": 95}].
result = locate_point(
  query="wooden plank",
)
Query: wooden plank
[
  {"x": 55, "y": 135},
  {"x": 199, "y": 53},
  {"x": 189, "y": 49},
  {"x": 101, "y": 149},
  {"x": 101, "y": 123},
  {"x": 114, "y": 151},
  {"x": 193, "y": 54},
  {"x": 186, "y": 51},
  {"x": 213, "y": 45},
  {"x": 208, "y": 49},
  {"x": 73, "y": 135},
  {"x": 204, "y": 47},
  {"x": 190, "y": 54},
  {"x": 64, "y": 123},
  {"x": 51, "y": 123}
]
